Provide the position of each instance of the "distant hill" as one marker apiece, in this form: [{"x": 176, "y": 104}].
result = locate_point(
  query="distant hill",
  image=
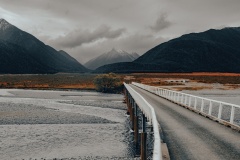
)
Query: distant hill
[
  {"x": 209, "y": 51},
  {"x": 21, "y": 52},
  {"x": 110, "y": 57}
]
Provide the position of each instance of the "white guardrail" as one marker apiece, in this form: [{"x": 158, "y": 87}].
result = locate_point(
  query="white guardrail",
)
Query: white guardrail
[
  {"x": 149, "y": 112},
  {"x": 221, "y": 111}
]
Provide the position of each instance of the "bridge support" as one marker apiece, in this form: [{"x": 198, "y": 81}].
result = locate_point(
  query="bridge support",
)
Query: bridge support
[
  {"x": 143, "y": 139},
  {"x": 127, "y": 101},
  {"x": 130, "y": 109},
  {"x": 133, "y": 112},
  {"x": 143, "y": 146},
  {"x": 136, "y": 130}
]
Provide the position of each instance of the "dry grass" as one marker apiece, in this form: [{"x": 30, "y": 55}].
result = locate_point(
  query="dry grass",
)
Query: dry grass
[
  {"x": 222, "y": 78},
  {"x": 157, "y": 82},
  {"x": 232, "y": 86},
  {"x": 85, "y": 81},
  {"x": 53, "y": 81},
  {"x": 194, "y": 88}
]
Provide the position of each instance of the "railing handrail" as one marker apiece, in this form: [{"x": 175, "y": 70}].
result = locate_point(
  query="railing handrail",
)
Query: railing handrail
[
  {"x": 151, "y": 115},
  {"x": 226, "y": 103},
  {"x": 186, "y": 100}
]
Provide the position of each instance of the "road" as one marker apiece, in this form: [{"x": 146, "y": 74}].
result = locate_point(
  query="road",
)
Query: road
[{"x": 190, "y": 136}]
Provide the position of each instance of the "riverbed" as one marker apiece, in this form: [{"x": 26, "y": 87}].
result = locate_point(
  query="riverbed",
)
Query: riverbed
[{"x": 43, "y": 124}]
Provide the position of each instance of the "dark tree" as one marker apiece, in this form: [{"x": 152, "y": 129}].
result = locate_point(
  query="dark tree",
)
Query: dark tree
[{"x": 108, "y": 83}]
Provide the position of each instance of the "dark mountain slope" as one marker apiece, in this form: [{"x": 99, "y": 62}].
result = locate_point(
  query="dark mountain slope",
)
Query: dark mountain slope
[
  {"x": 210, "y": 51},
  {"x": 16, "y": 60},
  {"x": 67, "y": 56},
  {"x": 45, "y": 55}
]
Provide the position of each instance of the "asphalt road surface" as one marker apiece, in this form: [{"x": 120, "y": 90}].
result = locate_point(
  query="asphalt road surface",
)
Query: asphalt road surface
[{"x": 190, "y": 136}]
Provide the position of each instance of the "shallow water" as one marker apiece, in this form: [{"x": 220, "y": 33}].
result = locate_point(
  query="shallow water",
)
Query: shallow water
[{"x": 63, "y": 124}]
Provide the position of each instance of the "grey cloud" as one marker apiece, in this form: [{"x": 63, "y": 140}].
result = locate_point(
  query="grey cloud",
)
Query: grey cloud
[
  {"x": 70, "y": 14},
  {"x": 49, "y": 19},
  {"x": 79, "y": 37},
  {"x": 161, "y": 23},
  {"x": 137, "y": 42}
]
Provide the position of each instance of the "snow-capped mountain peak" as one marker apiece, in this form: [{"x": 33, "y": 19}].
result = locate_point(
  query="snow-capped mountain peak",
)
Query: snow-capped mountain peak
[
  {"x": 117, "y": 51},
  {"x": 113, "y": 56},
  {"x": 4, "y": 24},
  {"x": 120, "y": 51}
]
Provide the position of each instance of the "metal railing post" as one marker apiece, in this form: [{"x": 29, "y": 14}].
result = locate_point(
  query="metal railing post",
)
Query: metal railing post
[
  {"x": 195, "y": 103},
  {"x": 190, "y": 101},
  {"x": 220, "y": 111},
  {"x": 232, "y": 114},
  {"x": 178, "y": 97},
  {"x": 202, "y": 105},
  {"x": 210, "y": 108},
  {"x": 182, "y": 98},
  {"x": 174, "y": 97},
  {"x": 185, "y": 103}
]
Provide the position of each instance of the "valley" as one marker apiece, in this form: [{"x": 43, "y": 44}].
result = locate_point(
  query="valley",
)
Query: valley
[{"x": 84, "y": 81}]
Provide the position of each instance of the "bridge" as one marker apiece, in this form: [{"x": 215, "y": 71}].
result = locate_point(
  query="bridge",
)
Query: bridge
[{"x": 192, "y": 127}]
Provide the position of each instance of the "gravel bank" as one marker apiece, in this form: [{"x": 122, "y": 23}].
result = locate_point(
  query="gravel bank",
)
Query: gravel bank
[
  {"x": 63, "y": 125},
  {"x": 30, "y": 114}
]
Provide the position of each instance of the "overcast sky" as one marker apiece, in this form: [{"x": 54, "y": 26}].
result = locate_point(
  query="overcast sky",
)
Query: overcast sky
[{"x": 87, "y": 28}]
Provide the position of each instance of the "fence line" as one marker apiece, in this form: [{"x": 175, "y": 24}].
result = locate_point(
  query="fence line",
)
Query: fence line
[
  {"x": 223, "y": 112},
  {"x": 147, "y": 110}
]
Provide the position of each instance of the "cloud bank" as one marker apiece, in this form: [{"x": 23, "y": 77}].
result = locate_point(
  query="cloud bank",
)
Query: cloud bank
[
  {"x": 161, "y": 23},
  {"x": 78, "y": 37},
  {"x": 88, "y": 28}
]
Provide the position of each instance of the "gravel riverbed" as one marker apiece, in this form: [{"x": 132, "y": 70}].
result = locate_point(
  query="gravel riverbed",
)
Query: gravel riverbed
[{"x": 63, "y": 125}]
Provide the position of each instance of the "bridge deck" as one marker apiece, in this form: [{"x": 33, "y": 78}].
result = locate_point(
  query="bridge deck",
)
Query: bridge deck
[{"x": 192, "y": 136}]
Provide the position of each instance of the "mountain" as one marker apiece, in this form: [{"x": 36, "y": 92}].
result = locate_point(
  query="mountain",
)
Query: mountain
[
  {"x": 21, "y": 52},
  {"x": 135, "y": 55},
  {"x": 110, "y": 57},
  {"x": 15, "y": 60},
  {"x": 209, "y": 51},
  {"x": 67, "y": 56}
]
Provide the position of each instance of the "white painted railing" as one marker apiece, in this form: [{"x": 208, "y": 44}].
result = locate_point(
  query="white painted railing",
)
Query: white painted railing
[
  {"x": 223, "y": 112},
  {"x": 149, "y": 112}
]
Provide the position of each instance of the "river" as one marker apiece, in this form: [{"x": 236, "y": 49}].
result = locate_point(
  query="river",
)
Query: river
[{"x": 42, "y": 124}]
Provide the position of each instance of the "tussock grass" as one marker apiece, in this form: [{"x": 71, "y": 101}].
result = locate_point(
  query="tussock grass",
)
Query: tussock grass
[
  {"x": 85, "y": 81},
  {"x": 48, "y": 81}
]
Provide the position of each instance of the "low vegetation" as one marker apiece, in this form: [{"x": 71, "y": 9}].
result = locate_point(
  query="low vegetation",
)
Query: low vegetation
[
  {"x": 193, "y": 88},
  {"x": 108, "y": 83},
  {"x": 222, "y": 78},
  {"x": 48, "y": 81},
  {"x": 94, "y": 82}
]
